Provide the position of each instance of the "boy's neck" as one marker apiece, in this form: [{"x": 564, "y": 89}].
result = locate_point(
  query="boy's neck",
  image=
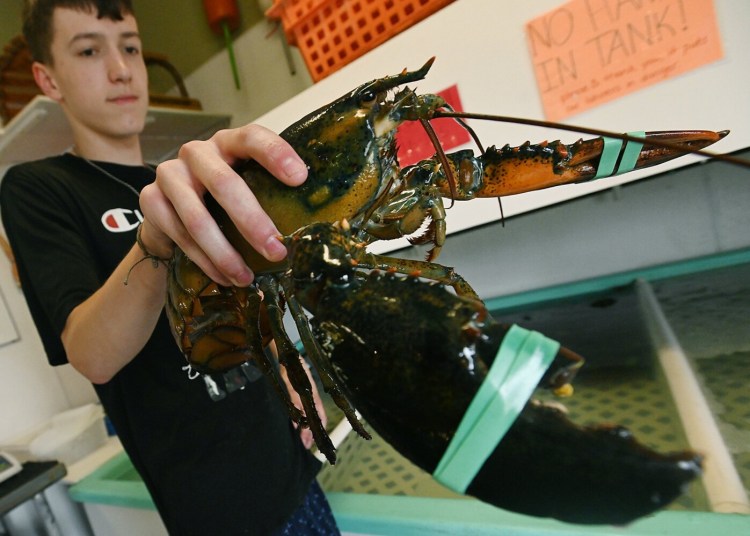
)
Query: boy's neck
[{"x": 125, "y": 151}]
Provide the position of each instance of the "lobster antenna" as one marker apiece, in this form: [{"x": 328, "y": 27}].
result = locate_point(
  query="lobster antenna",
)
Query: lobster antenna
[
  {"x": 594, "y": 132},
  {"x": 443, "y": 159},
  {"x": 466, "y": 127}
]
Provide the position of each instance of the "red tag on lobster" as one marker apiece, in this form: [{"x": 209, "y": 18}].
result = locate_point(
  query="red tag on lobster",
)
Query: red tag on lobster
[{"x": 414, "y": 144}]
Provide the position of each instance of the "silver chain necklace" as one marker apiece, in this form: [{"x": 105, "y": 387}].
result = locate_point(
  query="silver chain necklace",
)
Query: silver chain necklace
[{"x": 110, "y": 175}]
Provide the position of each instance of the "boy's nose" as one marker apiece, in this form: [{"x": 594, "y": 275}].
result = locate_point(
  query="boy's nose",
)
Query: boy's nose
[{"x": 119, "y": 70}]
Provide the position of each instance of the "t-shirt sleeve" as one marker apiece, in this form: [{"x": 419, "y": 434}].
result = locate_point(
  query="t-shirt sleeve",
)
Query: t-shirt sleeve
[{"x": 55, "y": 263}]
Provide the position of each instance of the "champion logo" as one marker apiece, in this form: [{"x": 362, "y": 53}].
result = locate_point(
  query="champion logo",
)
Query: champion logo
[{"x": 121, "y": 220}]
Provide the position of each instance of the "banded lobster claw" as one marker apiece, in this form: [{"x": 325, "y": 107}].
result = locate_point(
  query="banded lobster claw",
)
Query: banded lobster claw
[
  {"x": 535, "y": 460},
  {"x": 514, "y": 170}
]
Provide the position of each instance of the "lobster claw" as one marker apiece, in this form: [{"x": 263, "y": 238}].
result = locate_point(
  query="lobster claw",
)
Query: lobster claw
[
  {"x": 515, "y": 170},
  {"x": 587, "y": 475},
  {"x": 605, "y": 157}
]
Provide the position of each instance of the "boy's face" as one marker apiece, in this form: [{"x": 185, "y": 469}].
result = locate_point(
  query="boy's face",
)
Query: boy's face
[{"x": 98, "y": 74}]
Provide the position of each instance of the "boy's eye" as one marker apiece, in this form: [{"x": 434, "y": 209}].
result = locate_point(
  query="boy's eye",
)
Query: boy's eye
[
  {"x": 87, "y": 52},
  {"x": 132, "y": 50}
]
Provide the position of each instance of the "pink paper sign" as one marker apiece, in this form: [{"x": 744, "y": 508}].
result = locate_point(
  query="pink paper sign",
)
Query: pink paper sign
[{"x": 588, "y": 52}]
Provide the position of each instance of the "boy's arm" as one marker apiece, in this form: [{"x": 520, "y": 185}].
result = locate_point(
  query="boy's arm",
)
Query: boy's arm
[{"x": 106, "y": 331}]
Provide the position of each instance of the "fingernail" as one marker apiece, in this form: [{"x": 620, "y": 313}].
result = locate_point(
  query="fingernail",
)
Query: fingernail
[
  {"x": 243, "y": 279},
  {"x": 294, "y": 169},
  {"x": 275, "y": 249}
]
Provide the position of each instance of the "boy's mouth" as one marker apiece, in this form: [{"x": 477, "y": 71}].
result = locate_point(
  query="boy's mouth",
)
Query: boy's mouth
[{"x": 124, "y": 99}]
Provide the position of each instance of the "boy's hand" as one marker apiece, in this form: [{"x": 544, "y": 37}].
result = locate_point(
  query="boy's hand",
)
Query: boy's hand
[{"x": 175, "y": 212}]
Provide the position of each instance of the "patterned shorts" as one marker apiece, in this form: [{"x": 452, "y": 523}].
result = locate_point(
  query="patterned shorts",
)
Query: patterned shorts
[{"x": 312, "y": 518}]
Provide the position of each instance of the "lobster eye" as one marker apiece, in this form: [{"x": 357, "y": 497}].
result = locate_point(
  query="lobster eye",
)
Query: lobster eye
[{"x": 367, "y": 98}]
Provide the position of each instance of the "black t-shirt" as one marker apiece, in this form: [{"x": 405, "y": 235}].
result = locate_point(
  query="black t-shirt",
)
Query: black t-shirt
[{"x": 227, "y": 467}]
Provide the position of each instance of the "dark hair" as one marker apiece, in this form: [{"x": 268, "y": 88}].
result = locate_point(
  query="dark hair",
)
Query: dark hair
[{"x": 37, "y": 20}]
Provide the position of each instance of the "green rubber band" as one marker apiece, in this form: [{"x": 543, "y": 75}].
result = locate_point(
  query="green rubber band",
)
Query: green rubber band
[
  {"x": 632, "y": 152},
  {"x": 521, "y": 361},
  {"x": 611, "y": 152},
  {"x": 607, "y": 161}
]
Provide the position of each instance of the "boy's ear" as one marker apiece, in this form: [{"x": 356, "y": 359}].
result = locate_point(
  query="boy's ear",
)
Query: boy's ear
[{"x": 46, "y": 81}]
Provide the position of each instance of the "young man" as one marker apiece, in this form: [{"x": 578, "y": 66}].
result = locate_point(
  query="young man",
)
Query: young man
[{"x": 236, "y": 466}]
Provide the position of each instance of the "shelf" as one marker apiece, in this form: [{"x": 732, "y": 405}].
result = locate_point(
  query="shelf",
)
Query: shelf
[{"x": 41, "y": 129}]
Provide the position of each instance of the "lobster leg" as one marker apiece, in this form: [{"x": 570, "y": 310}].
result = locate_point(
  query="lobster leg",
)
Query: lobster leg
[
  {"x": 409, "y": 206},
  {"x": 268, "y": 368},
  {"x": 428, "y": 270},
  {"x": 321, "y": 364},
  {"x": 289, "y": 358}
]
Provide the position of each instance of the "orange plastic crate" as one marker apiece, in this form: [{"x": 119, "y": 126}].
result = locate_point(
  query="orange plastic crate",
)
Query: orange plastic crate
[{"x": 332, "y": 33}]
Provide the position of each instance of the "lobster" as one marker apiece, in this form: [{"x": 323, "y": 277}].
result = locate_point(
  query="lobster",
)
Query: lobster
[{"x": 408, "y": 343}]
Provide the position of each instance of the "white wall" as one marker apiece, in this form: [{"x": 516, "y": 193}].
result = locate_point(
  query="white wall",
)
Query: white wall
[
  {"x": 265, "y": 79},
  {"x": 30, "y": 390}
]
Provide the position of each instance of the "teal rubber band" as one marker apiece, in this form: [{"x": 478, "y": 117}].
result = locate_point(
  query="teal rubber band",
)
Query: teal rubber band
[
  {"x": 611, "y": 152},
  {"x": 632, "y": 152},
  {"x": 521, "y": 361},
  {"x": 496, "y": 377},
  {"x": 607, "y": 161}
]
